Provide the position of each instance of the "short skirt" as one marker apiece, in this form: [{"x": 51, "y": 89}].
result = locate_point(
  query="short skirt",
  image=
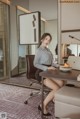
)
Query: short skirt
[{"x": 37, "y": 76}]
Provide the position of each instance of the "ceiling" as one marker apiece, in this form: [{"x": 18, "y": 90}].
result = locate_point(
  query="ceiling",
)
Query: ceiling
[{"x": 48, "y": 8}]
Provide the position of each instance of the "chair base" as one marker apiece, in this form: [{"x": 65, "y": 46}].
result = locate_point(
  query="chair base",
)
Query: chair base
[{"x": 32, "y": 94}]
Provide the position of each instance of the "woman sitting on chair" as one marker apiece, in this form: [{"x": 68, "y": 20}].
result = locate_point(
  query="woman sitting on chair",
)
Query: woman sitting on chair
[{"x": 44, "y": 61}]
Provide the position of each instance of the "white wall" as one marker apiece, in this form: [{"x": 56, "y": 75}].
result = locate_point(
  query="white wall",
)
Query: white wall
[
  {"x": 34, "y": 47},
  {"x": 42, "y": 27},
  {"x": 22, "y": 3},
  {"x": 70, "y": 16},
  {"x": 70, "y": 20},
  {"x": 48, "y": 8},
  {"x": 51, "y": 27}
]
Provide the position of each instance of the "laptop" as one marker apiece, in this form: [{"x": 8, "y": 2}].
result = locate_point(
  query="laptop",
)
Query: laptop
[{"x": 74, "y": 62}]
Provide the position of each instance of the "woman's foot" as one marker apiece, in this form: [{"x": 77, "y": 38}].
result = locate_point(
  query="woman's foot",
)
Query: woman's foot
[{"x": 45, "y": 113}]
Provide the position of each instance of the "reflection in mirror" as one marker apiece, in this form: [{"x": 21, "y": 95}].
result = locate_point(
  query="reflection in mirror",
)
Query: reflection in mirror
[
  {"x": 70, "y": 50},
  {"x": 78, "y": 50},
  {"x": 73, "y": 49}
]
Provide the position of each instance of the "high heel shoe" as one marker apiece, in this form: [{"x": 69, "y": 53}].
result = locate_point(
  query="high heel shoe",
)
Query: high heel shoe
[{"x": 40, "y": 109}]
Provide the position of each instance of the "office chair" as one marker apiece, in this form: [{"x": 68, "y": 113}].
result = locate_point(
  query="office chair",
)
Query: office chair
[{"x": 31, "y": 70}]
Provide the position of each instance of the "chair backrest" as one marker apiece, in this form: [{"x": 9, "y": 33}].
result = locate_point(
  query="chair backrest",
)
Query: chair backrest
[{"x": 31, "y": 70}]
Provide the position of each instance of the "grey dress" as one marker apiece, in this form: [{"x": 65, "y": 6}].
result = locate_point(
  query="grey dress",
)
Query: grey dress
[{"x": 43, "y": 59}]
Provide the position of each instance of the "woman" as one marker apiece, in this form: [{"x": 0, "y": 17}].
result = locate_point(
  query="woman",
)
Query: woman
[{"x": 43, "y": 61}]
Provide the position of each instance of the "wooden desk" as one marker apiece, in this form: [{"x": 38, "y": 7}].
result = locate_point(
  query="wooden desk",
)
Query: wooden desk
[
  {"x": 57, "y": 74},
  {"x": 72, "y": 75}
]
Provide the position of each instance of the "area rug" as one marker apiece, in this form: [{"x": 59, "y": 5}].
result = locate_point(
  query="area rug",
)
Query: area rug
[{"x": 12, "y": 103}]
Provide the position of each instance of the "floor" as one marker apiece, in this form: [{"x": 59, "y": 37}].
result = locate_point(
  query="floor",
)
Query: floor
[
  {"x": 22, "y": 81},
  {"x": 13, "y": 95},
  {"x": 12, "y": 103}
]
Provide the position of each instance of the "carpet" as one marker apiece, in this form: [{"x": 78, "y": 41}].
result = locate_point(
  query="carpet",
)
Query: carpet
[
  {"x": 21, "y": 80},
  {"x": 12, "y": 102}
]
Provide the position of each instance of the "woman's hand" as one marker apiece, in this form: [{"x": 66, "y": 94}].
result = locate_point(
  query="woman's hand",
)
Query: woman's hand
[{"x": 51, "y": 68}]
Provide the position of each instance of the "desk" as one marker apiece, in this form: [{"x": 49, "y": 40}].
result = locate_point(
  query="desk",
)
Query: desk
[{"x": 57, "y": 74}]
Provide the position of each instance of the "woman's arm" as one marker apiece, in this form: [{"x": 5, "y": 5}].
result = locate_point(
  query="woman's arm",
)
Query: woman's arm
[{"x": 37, "y": 60}]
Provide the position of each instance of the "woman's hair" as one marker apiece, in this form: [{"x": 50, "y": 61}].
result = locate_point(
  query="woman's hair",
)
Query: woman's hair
[{"x": 43, "y": 37}]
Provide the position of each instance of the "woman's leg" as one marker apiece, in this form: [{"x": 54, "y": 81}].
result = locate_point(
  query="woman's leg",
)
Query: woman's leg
[
  {"x": 60, "y": 83},
  {"x": 52, "y": 85}
]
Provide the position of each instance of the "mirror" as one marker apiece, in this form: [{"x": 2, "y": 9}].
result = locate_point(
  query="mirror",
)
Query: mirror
[
  {"x": 70, "y": 50},
  {"x": 69, "y": 29}
]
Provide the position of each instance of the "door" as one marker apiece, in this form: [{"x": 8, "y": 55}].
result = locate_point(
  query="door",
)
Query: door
[{"x": 4, "y": 41}]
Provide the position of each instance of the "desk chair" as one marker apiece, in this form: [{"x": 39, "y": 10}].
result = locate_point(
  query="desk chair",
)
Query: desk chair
[{"x": 31, "y": 70}]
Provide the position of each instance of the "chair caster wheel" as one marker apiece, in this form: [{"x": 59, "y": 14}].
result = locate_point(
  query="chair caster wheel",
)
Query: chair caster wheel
[
  {"x": 26, "y": 102},
  {"x": 31, "y": 94},
  {"x": 57, "y": 118}
]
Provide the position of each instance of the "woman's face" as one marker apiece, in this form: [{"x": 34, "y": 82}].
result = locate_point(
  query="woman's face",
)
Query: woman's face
[{"x": 46, "y": 41}]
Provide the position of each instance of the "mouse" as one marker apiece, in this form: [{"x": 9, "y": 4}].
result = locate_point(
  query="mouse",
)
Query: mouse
[{"x": 78, "y": 77}]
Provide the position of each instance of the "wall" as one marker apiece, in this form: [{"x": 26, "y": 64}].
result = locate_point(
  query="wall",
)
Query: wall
[
  {"x": 70, "y": 18},
  {"x": 51, "y": 27},
  {"x": 34, "y": 47},
  {"x": 22, "y": 3},
  {"x": 48, "y": 8},
  {"x": 68, "y": 24}
]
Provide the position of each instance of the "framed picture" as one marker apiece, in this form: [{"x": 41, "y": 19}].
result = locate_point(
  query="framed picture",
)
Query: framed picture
[{"x": 30, "y": 28}]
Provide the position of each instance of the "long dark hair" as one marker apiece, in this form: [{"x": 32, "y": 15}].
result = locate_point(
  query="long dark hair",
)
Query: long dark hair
[{"x": 43, "y": 37}]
